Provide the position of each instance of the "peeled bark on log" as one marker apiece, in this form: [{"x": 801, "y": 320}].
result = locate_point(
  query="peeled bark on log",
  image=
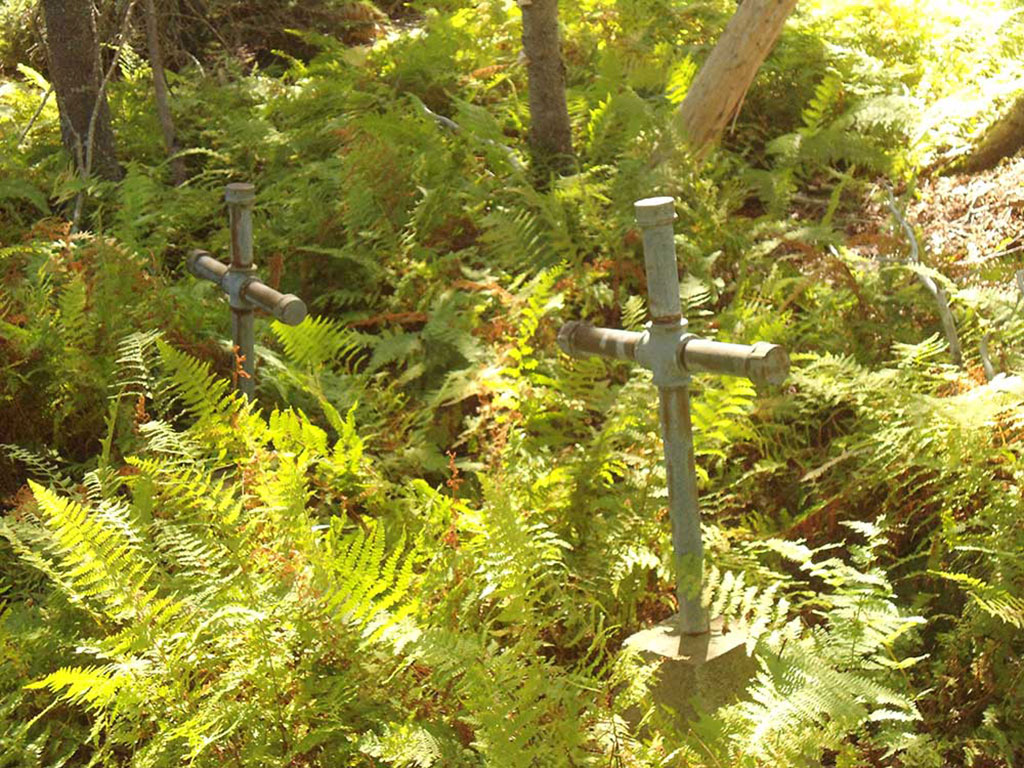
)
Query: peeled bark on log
[
  {"x": 717, "y": 92},
  {"x": 550, "y": 131},
  {"x": 77, "y": 77},
  {"x": 1003, "y": 139},
  {"x": 163, "y": 110}
]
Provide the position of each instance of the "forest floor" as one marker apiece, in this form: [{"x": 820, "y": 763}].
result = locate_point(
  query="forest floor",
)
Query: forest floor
[
  {"x": 972, "y": 218},
  {"x": 965, "y": 220}
]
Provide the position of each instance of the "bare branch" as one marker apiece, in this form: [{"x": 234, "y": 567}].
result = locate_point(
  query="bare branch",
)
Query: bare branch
[
  {"x": 39, "y": 111},
  {"x": 940, "y": 295}
]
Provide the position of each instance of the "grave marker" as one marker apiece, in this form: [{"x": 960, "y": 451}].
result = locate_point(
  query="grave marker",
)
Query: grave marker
[
  {"x": 245, "y": 291},
  {"x": 672, "y": 354}
]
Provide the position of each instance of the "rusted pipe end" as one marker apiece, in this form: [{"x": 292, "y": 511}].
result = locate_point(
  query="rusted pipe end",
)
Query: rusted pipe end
[
  {"x": 769, "y": 363},
  {"x": 655, "y": 211},
  {"x": 291, "y": 310},
  {"x": 239, "y": 193},
  {"x": 190, "y": 261},
  {"x": 565, "y": 336}
]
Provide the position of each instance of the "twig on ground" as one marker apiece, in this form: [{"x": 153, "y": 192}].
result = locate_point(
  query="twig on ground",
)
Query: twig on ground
[
  {"x": 986, "y": 361},
  {"x": 454, "y": 127},
  {"x": 937, "y": 292}
]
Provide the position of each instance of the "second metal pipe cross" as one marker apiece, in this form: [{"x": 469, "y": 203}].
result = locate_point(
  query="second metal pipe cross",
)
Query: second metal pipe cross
[{"x": 245, "y": 291}]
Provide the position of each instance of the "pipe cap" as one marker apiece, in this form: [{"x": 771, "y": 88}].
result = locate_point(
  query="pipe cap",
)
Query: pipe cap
[
  {"x": 291, "y": 310},
  {"x": 768, "y": 363},
  {"x": 655, "y": 211},
  {"x": 239, "y": 193}
]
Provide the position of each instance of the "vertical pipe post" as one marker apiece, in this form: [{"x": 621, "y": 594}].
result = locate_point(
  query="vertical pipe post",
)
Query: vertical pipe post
[
  {"x": 655, "y": 217},
  {"x": 240, "y": 198}
]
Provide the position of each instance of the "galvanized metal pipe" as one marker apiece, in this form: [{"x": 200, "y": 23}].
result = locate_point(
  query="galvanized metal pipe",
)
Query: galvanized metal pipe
[
  {"x": 240, "y": 198},
  {"x": 655, "y": 217},
  {"x": 581, "y": 340},
  {"x": 286, "y": 307},
  {"x": 202, "y": 264},
  {"x": 762, "y": 362},
  {"x": 245, "y": 291},
  {"x": 672, "y": 354},
  {"x": 684, "y": 509}
]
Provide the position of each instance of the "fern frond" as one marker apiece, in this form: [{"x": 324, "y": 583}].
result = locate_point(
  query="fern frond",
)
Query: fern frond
[
  {"x": 826, "y": 95},
  {"x": 357, "y": 572},
  {"x": 634, "y": 313},
  {"x": 95, "y": 688},
  {"x": 292, "y": 431},
  {"x": 137, "y": 356},
  {"x": 100, "y": 560},
  {"x": 319, "y": 341},
  {"x": 73, "y": 320},
  {"x": 187, "y": 491},
  {"x": 206, "y": 396},
  {"x": 403, "y": 746},
  {"x": 42, "y": 467},
  {"x": 162, "y": 439},
  {"x": 992, "y": 599},
  {"x": 679, "y": 80}
]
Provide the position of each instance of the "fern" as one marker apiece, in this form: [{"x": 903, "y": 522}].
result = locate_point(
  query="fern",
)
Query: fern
[
  {"x": 136, "y": 361},
  {"x": 318, "y": 341},
  {"x": 996, "y": 601},
  {"x": 403, "y": 746},
  {"x": 679, "y": 80},
  {"x": 826, "y": 96},
  {"x": 95, "y": 688},
  {"x": 634, "y": 313},
  {"x": 73, "y": 324},
  {"x": 100, "y": 563},
  {"x": 203, "y": 394},
  {"x": 42, "y": 467},
  {"x": 155, "y": 647},
  {"x": 816, "y": 687}
]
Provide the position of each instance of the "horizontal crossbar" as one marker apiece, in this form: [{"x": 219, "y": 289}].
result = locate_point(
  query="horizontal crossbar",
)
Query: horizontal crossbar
[
  {"x": 762, "y": 362},
  {"x": 286, "y": 307}
]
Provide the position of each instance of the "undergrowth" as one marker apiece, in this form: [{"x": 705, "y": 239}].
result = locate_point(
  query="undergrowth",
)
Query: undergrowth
[{"x": 427, "y": 539}]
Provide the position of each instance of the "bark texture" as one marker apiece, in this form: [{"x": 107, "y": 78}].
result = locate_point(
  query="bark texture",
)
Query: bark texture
[
  {"x": 77, "y": 77},
  {"x": 550, "y": 132},
  {"x": 163, "y": 109},
  {"x": 717, "y": 92},
  {"x": 1003, "y": 139}
]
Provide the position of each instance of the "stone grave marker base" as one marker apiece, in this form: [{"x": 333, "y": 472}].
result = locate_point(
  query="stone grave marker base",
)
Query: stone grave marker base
[{"x": 708, "y": 670}]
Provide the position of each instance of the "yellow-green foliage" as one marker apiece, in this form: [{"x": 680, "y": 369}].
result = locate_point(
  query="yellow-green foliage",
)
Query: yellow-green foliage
[{"x": 426, "y": 539}]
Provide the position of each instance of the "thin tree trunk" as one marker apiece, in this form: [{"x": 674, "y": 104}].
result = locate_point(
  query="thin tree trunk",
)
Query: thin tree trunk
[
  {"x": 550, "y": 132},
  {"x": 77, "y": 78},
  {"x": 163, "y": 110},
  {"x": 1003, "y": 139},
  {"x": 717, "y": 92}
]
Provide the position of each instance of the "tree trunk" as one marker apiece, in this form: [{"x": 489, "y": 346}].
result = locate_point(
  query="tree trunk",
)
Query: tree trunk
[
  {"x": 77, "y": 78},
  {"x": 717, "y": 92},
  {"x": 1003, "y": 139},
  {"x": 550, "y": 133},
  {"x": 163, "y": 110}
]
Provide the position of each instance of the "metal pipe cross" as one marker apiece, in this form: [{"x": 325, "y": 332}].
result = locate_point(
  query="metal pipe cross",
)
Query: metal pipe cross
[
  {"x": 672, "y": 355},
  {"x": 245, "y": 291}
]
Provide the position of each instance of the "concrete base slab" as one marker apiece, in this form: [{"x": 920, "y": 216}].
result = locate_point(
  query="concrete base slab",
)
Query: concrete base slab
[{"x": 697, "y": 671}]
